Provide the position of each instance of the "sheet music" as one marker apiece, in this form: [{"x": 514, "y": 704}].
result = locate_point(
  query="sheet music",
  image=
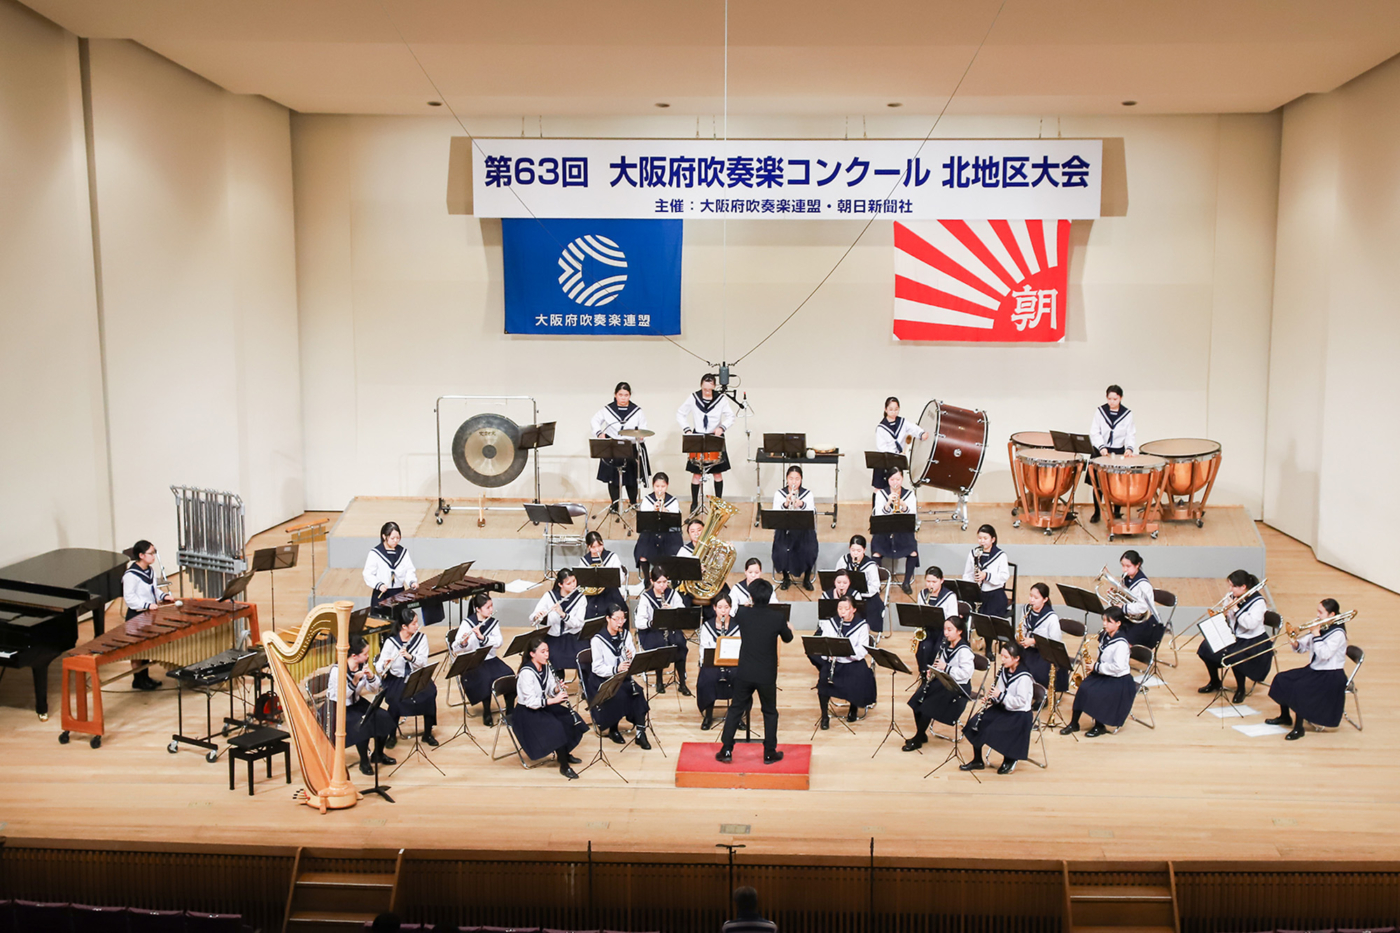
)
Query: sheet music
[
  {"x": 727, "y": 648},
  {"x": 1217, "y": 633}
]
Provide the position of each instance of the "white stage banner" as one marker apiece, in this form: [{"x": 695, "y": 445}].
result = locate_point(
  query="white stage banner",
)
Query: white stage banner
[{"x": 821, "y": 179}]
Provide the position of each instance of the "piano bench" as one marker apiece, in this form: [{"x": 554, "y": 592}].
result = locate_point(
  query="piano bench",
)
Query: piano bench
[{"x": 261, "y": 744}]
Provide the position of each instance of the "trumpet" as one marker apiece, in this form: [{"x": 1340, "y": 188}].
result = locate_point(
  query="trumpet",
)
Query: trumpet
[
  {"x": 1118, "y": 595},
  {"x": 792, "y": 501},
  {"x": 897, "y": 504},
  {"x": 1227, "y": 603}
]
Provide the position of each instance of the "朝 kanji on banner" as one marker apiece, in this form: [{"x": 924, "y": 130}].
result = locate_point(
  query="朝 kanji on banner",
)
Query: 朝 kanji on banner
[{"x": 981, "y": 280}]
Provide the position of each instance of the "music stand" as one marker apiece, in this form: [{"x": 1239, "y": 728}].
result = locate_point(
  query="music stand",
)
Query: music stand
[
  {"x": 881, "y": 460},
  {"x": 1074, "y": 444},
  {"x": 1058, "y": 656},
  {"x": 590, "y": 628},
  {"x": 785, "y": 445},
  {"x": 993, "y": 630},
  {"x": 684, "y": 620},
  {"x": 824, "y": 647},
  {"x": 828, "y": 581},
  {"x": 703, "y": 444},
  {"x": 968, "y": 591},
  {"x": 952, "y": 686},
  {"x": 283, "y": 557},
  {"x": 596, "y": 577},
  {"x": 788, "y": 519},
  {"x": 895, "y": 664},
  {"x": 381, "y": 789},
  {"x": 535, "y": 436},
  {"x": 610, "y": 448},
  {"x": 237, "y": 585},
  {"x": 657, "y": 523},
  {"x": 521, "y": 641},
  {"x": 414, "y": 684},
  {"x": 461, "y": 666},
  {"x": 652, "y": 662},
  {"x": 1082, "y": 600},
  {"x": 681, "y": 569},
  {"x": 892, "y": 524},
  {"x": 549, "y": 516},
  {"x": 605, "y": 692}
]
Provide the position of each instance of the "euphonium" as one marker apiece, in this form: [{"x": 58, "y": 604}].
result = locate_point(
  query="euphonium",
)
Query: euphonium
[
  {"x": 716, "y": 557},
  {"x": 1118, "y": 595}
]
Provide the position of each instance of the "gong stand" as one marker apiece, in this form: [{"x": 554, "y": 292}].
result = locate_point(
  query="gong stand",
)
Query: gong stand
[{"x": 443, "y": 507}]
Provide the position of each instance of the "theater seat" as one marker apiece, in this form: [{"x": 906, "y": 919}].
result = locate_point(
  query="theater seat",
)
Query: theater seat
[
  {"x": 42, "y": 917},
  {"x": 196, "y": 922},
  {"x": 89, "y": 919},
  {"x": 156, "y": 921}
]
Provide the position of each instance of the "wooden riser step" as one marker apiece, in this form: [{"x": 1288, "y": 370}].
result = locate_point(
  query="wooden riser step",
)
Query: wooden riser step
[
  {"x": 343, "y": 892},
  {"x": 1121, "y": 906}
]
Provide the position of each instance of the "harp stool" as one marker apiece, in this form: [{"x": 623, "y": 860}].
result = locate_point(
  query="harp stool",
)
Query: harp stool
[{"x": 261, "y": 744}]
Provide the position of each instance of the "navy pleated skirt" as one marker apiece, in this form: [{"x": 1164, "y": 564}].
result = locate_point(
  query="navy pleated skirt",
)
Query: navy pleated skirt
[
  {"x": 1317, "y": 696},
  {"x": 653, "y": 547},
  {"x": 420, "y": 704},
  {"x": 1108, "y": 700},
  {"x": 541, "y": 732},
  {"x": 629, "y": 702},
  {"x": 1148, "y": 633},
  {"x": 935, "y": 703},
  {"x": 359, "y": 725},
  {"x": 477, "y": 682},
  {"x": 652, "y": 638},
  {"x": 1033, "y": 661},
  {"x": 714, "y": 683},
  {"x": 794, "y": 551},
  {"x": 1003, "y": 730},
  {"x": 900, "y": 545},
  {"x": 563, "y": 651},
  {"x": 853, "y": 682}
]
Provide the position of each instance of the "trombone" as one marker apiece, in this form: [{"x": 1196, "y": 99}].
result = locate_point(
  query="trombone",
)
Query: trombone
[
  {"x": 1226, "y": 604},
  {"x": 1292, "y": 633},
  {"x": 1118, "y": 595}
]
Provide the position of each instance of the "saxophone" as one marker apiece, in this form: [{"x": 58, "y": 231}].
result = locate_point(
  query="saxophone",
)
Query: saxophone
[
  {"x": 716, "y": 556},
  {"x": 1083, "y": 665}
]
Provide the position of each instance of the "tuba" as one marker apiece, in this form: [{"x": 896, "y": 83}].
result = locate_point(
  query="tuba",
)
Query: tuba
[{"x": 716, "y": 557}]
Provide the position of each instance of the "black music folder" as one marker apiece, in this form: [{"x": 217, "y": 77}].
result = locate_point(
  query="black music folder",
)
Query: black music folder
[
  {"x": 892, "y": 524},
  {"x": 657, "y": 522},
  {"x": 789, "y": 519}
]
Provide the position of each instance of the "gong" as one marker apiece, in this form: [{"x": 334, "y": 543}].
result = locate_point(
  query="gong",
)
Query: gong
[{"x": 486, "y": 450}]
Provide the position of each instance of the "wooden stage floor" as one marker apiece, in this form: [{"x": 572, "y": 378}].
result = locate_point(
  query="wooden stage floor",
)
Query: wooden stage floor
[{"x": 1189, "y": 788}]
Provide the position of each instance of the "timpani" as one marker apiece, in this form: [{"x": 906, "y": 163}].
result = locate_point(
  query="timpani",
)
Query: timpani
[
  {"x": 1192, "y": 463},
  {"x": 1046, "y": 481},
  {"x": 1024, "y": 440},
  {"x": 1130, "y": 482}
]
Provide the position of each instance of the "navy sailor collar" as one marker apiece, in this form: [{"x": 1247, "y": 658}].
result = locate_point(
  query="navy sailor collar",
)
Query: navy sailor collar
[
  {"x": 659, "y": 602},
  {"x": 700, "y": 403},
  {"x": 892, "y": 426},
  {"x": 148, "y": 575},
  {"x": 383, "y": 553},
  {"x": 989, "y": 556},
  {"x": 1111, "y": 416},
  {"x": 600, "y": 560},
  {"x": 620, "y": 413}
]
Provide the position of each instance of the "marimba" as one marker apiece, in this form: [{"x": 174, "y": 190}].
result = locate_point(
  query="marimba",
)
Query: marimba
[{"x": 175, "y": 636}]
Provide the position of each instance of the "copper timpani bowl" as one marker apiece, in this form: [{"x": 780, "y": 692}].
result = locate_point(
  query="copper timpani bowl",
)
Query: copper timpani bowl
[
  {"x": 1129, "y": 479},
  {"x": 1191, "y": 463}
]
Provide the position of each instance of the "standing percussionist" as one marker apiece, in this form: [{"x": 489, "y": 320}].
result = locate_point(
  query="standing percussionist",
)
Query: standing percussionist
[
  {"x": 757, "y": 671},
  {"x": 612, "y": 419},
  {"x": 388, "y": 568},
  {"x": 795, "y": 552},
  {"x": 1249, "y": 655},
  {"x": 404, "y": 652},
  {"x": 847, "y": 678},
  {"x": 988, "y": 567},
  {"x": 714, "y": 682},
  {"x": 140, "y": 593},
  {"x": 1107, "y": 693},
  {"x": 1040, "y": 618},
  {"x": 1316, "y": 693},
  {"x": 1112, "y": 432},
  {"x": 661, "y": 596},
  {"x": 706, "y": 412},
  {"x": 897, "y": 501},
  {"x": 563, "y": 609},
  {"x": 1005, "y": 722},
  {"x": 892, "y": 436},
  {"x": 480, "y": 629},
  {"x": 613, "y": 651}
]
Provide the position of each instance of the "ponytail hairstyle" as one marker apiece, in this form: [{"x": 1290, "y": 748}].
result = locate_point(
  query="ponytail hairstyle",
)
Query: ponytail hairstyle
[
  {"x": 387, "y": 529},
  {"x": 139, "y": 548},
  {"x": 1332, "y": 606},
  {"x": 1043, "y": 590},
  {"x": 1243, "y": 578}
]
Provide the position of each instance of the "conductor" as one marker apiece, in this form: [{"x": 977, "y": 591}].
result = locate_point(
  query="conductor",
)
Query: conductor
[{"x": 757, "y": 671}]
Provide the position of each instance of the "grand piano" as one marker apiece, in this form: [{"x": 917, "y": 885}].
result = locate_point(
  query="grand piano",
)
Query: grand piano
[{"x": 41, "y": 601}]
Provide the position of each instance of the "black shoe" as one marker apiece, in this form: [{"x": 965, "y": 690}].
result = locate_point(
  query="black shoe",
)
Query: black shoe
[
  {"x": 685, "y": 691},
  {"x": 724, "y": 756},
  {"x": 642, "y": 742},
  {"x": 826, "y": 722},
  {"x": 383, "y": 759},
  {"x": 914, "y": 744},
  {"x": 568, "y": 772},
  {"x": 1297, "y": 732},
  {"x": 365, "y": 767},
  {"x": 1239, "y": 696},
  {"x": 1208, "y": 688},
  {"x": 807, "y": 584},
  {"x": 1007, "y": 766},
  {"x": 1070, "y": 729},
  {"x": 575, "y": 760},
  {"x": 144, "y": 681},
  {"x": 976, "y": 764},
  {"x": 660, "y": 686},
  {"x": 852, "y": 715},
  {"x": 1095, "y": 732},
  {"x": 707, "y": 721},
  {"x": 1284, "y": 720},
  {"x": 908, "y": 588},
  {"x": 430, "y": 739},
  {"x": 786, "y": 584},
  {"x": 773, "y": 758},
  {"x": 393, "y": 739},
  {"x": 487, "y": 719},
  {"x": 1094, "y": 519},
  {"x": 616, "y": 736}
]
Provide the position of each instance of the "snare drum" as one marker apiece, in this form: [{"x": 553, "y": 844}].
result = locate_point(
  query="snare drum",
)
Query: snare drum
[
  {"x": 1131, "y": 481},
  {"x": 952, "y": 457},
  {"x": 1043, "y": 478},
  {"x": 1192, "y": 463}
]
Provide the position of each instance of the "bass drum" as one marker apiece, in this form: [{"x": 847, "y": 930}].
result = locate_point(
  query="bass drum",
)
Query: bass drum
[{"x": 952, "y": 457}]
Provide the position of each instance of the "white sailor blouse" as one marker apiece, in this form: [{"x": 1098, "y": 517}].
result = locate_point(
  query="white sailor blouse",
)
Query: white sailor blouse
[
  {"x": 946, "y": 599},
  {"x": 650, "y": 602},
  {"x": 1329, "y": 649},
  {"x": 353, "y": 684},
  {"x": 564, "y": 613},
  {"x": 534, "y": 687},
  {"x": 710, "y": 633},
  {"x": 399, "y": 660},
  {"x": 957, "y": 662},
  {"x": 884, "y": 502},
  {"x": 1113, "y": 429},
  {"x": 1045, "y": 623},
  {"x": 890, "y": 435},
  {"x": 867, "y": 568},
  {"x": 1017, "y": 690},
  {"x": 649, "y": 503},
  {"x": 1144, "y": 597},
  {"x": 612, "y": 419},
  {"x": 389, "y": 569},
  {"x": 139, "y": 589},
  {"x": 994, "y": 563},
  {"x": 1113, "y": 656},
  {"x": 856, "y": 631},
  {"x": 466, "y": 640},
  {"x": 697, "y": 416},
  {"x": 1247, "y": 619},
  {"x": 609, "y": 650}
]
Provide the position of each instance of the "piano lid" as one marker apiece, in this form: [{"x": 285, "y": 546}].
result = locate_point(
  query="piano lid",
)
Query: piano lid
[{"x": 92, "y": 569}]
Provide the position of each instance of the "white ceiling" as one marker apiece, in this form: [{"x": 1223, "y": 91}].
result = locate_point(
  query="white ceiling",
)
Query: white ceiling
[{"x": 607, "y": 57}]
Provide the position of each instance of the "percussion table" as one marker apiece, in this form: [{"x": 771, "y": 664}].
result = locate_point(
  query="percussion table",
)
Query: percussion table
[{"x": 832, "y": 460}]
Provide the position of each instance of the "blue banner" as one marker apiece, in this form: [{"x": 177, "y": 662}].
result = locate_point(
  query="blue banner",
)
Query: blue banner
[{"x": 581, "y": 277}]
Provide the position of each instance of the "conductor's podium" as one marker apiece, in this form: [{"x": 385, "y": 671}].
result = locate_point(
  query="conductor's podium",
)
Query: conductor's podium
[{"x": 697, "y": 767}]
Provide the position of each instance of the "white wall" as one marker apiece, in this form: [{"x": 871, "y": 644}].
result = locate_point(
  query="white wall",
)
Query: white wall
[
  {"x": 53, "y": 475},
  {"x": 1334, "y": 381},
  {"x": 401, "y": 302},
  {"x": 199, "y": 302}
]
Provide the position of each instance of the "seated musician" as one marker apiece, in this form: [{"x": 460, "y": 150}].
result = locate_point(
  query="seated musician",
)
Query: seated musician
[
  {"x": 848, "y": 678},
  {"x": 1107, "y": 693},
  {"x": 988, "y": 567},
  {"x": 795, "y": 552},
  {"x": 1149, "y": 630},
  {"x": 840, "y": 587},
  {"x": 859, "y": 565},
  {"x": 939, "y": 596},
  {"x": 480, "y": 629},
  {"x": 896, "y": 501},
  {"x": 563, "y": 610},
  {"x": 404, "y": 652},
  {"x": 613, "y": 418},
  {"x": 360, "y": 726},
  {"x": 543, "y": 722},
  {"x": 693, "y": 530},
  {"x": 1040, "y": 619},
  {"x": 892, "y": 436},
  {"x": 1112, "y": 432},
  {"x": 1249, "y": 655},
  {"x": 1005, "y": 721},
  {"x": 596, "y": 554},
  {"x": 613, "y": 651},
  {"x": 661, "y": 596},
  {"x": 738, "y": 593},
  {"x": 140, "y": 593},
  {"x": 651, "y": 545},
  {"x": 933, "y": 702},
  {"x": 714, "y": 682},
  {"x": 1316, "y": 693},
  {"x": 706, "y": 412}
]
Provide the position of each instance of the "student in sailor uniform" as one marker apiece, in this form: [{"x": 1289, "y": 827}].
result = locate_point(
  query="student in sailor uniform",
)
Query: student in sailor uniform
[
  {"x": 1316, "y": 693},
  {"x": 481, "y": 629},
  {"x": 863, "y": 568},
  {"x": 564, "y": 610},
  {"x": 1108, "y": 692},
  {"x": 1248, "y": 655},
  {"x": 738, "y": 593},
  {"x": 849, "y": 678},
  {"x": 613, "y": 651},
  {"x": 890, "y": 435},
  {"x": 902, "y": 544},
  {"x": 1005, "y": 722},
  {"x": 706, "y": 412},
  {"x": 939, "y": 596},
  {"x": 389, "y": 571},
  {"x": 1112, "y": 432},
  {"x": 140, "y": 593},
  {"x": 404, "y": 652},
  {"x": 988, "y": 567},
  {"x": 542, "y": 724},
  {"x": 360, "y": 726},
  {"x": 597, "y": 555},
  {"x": 714, "y": 683},
  {"x": 613, "y": 418},
  {"x": 840, "y": 588},
  {"x": 1039, "y": 618},
  {"x": 653, "y": 546},
  {"x": 1150, "y": 630},
  {"x": 932, "y": 702},
  {"x": 795, "y": 552},
  {"x": 693, "y": 529},
  {"x": 661, "y": 596}
]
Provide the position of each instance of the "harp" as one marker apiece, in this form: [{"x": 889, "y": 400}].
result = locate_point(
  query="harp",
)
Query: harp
[{"x": 320, "y": 748}]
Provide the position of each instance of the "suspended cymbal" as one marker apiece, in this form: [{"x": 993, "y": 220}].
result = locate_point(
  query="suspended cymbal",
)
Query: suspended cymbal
[
  {"x": 638, "y": 433},
  {"x": 486, "y": 450}
]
